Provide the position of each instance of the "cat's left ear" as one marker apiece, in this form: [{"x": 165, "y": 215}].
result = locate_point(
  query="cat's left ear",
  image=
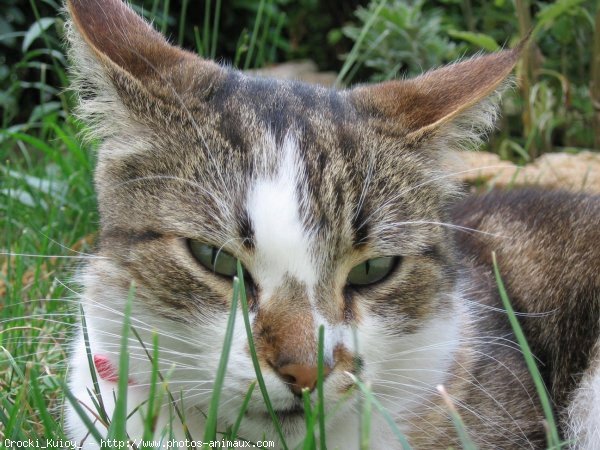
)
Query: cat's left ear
[{"x": 455, "y": 98}]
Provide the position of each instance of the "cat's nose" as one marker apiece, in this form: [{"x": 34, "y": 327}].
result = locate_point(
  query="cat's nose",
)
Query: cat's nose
[{"x": 300, "y": 376}]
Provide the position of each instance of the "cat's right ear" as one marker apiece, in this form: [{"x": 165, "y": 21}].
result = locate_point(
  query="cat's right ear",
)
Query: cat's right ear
[
  {"x": 118, "y": 58},
  {"x": 455, "y": 103}
]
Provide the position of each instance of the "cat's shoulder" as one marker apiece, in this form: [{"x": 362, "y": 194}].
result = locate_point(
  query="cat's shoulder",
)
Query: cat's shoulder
[{"x": 547, "y": 244}]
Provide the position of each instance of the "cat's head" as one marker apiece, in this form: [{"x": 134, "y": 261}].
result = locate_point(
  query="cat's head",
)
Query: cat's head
[{"x": 333, "y": 200}]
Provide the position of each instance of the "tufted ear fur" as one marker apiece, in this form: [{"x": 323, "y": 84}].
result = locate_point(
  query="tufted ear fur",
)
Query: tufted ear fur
[
  {"x": 122, "y": 40},
  {"x": 451, "y": 102},
  {"x": 124, "y": 69}
]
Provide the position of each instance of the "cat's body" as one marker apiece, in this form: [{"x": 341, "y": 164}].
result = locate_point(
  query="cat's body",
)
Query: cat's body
[{"x": 304, "y": 185}]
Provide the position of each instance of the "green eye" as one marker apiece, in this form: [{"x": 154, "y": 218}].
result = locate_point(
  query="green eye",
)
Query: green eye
[
  {"x": 371, "y": 271},
  {"x": 214, "y": 259}
]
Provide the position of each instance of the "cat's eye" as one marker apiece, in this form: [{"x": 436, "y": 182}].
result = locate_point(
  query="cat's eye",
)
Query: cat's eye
[
  {"x": 214, "y": 259},
  {"x": 372, "y": 270}
]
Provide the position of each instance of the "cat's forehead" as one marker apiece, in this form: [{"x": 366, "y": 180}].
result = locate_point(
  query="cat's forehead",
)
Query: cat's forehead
[
  {"x": 247, "y": 106},
  {"x": 270, "y": 97}
]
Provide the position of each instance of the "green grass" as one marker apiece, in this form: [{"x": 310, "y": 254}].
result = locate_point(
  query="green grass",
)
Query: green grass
[{"x": 47, "y": 208}]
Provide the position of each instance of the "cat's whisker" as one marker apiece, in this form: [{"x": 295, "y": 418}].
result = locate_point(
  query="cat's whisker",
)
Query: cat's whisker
[
  {"x": 199, "y": 133},
  {"x": 517, "y": 313},
  {"x": 141, "y": 356},
  {"x": 409, "y": 388},
  {"x": 471, "y": 380},
  {"x": 34, "y": 255},
  {"x": 403, "y": 193},
  {"x": 365, "y": 188},
  {"x": 416, "y": 417},
  {"x": 228, "y": 241},
  {"x": 400, "y": 372},
  {"x": 196, "y": 185},
  {"x": 65, "y": 247},
  {"x": 195, "y": 384},
  {"x": 136, "y": 321},
  {"x": 451, "y": 344},
  {"x": 397, "y": 225}
]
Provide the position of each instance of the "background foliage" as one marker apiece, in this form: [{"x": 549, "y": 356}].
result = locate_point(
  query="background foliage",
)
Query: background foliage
[{"x": 553, "y": 110}]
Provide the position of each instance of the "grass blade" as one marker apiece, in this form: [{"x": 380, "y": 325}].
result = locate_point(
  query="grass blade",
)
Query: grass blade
[
  {"x": 172, "y": 403},
  {"x": 309, "y": 440},
  {"x": 50, "y": 427},
  {"x": 384, "y": 412},
  {"x": 182, "y": 17},
  {"x": 354, "y": 53},
  {"x": 210, "y": 429},
  {"x": 320, "y": 390},
  {"x": 150, "y": 420},
  {"x": 165, "y": 17},
  {"x": 238, "y": 422},
  {"x": 459, "y": 426},
  {"x": 215, "y": 30},
  {"x": 257, "y": 22},
  {"x": 365, "y": 421},
  {"x": 206, "y": 30},
  {"x": 118, "y": 425},
  {"x": 91, "y": 366},
  {"x": 552, "y": 431},
  {"x": 89, "y": 425},
  {"x": 252, "y": 347}
]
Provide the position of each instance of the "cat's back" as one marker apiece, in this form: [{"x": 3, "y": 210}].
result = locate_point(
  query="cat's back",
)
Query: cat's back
[{"x": 548, "y": 250}]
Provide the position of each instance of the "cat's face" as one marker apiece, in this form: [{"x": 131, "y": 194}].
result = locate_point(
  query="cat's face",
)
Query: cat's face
[
  {"x": 293, "y": 180},
  {"x": 296, "y": 183},
  {"x": 333, "y": 201}
]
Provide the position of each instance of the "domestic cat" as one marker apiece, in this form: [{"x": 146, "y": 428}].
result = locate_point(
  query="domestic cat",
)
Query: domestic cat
[{"x": 340, "y": 207}]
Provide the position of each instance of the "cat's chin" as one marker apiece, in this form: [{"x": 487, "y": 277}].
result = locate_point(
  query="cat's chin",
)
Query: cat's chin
[
  {"x": 286, "y": 416},
  {"x": 258, "y": 424}
]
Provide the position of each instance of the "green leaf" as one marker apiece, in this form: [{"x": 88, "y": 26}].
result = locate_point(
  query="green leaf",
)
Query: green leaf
[
  {"x": 479, "y": 39},
  {"x": 546, "y": 17},
  {"x": 36, "y": 30}
]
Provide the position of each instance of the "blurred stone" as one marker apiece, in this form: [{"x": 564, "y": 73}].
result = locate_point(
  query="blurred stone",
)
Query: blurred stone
[
  {"x": 575, "y": 172},
  {"x": 306, "y": 71}
]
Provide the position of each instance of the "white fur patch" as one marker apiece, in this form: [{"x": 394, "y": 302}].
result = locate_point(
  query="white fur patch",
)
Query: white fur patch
[
  {"x": 406, "y": 370},
  {"x": 281, "y": 241},
  {"x": 335, "y": 334},
  {"x": 584, "y": 412}
]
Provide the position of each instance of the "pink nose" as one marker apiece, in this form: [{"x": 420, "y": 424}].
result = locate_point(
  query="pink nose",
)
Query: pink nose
[{"x": 299, "y": 376}]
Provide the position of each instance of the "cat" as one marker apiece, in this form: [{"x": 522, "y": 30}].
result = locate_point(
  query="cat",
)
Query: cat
[{"x": 341, "y": 208}]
